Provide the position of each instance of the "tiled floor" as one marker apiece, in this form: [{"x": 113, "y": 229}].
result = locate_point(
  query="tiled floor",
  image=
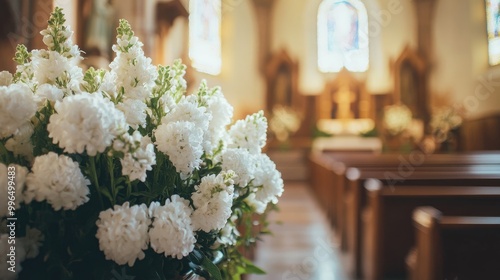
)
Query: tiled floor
[{"x": 303, "y": 246}]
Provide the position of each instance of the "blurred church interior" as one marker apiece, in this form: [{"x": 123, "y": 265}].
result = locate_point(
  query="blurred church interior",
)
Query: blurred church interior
[{"x": 355, "y": 78}]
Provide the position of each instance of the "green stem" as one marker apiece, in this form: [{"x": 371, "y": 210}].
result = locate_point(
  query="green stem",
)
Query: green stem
[
  {"x": 96, "y": 181},
  {"x": 4, "y": 153},
  {"x": 129, "y": 187},
  {"x": 112, "y": 178}
]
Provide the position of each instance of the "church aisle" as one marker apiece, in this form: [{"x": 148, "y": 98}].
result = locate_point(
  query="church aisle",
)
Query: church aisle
[{"x": 302, "y": 246}]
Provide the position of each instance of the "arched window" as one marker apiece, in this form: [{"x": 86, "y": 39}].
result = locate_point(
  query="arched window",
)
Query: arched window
[
  {"x": 205, "y": 36},
  {"x": 342, "y": 36}
]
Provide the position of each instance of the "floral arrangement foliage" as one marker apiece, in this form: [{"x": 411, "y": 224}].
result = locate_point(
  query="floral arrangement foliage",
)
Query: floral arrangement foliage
[
  {"x": 120, "y": 170},
  {"x": 284, "y": 121},
  {"x": 443, "y": 122}
]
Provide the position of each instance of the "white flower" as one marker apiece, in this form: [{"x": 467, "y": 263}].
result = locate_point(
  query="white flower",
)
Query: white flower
[
  {"x": 133, "y": 71},
  {"x": 258, "y": 206},
  {"x": 5, "y": 258},
  {"x": 20, "y": 144},
  {"x": 135, "y": 112},
  {"x": 188, "y": 110},
  {"x": 212, "y": 200},
  {"x": 59, "y": 180},
  {"x": 267, "y": 180},
  {"x": 284, "y": 122},
  {"x": 5, "y": 78},
  {"x": 48, "y": 92},
  {"x": 222, "y": 112},
  {"x": 228, "y": 234},
  {"x": 18, "y": 174},
  {"x": 241, "y": 162},
  {"x": 397, "y": 118},
  {"x": 17, "y": 106},
  {"x": 32, "y": 242},
  {"x": 54, "y": 68},
  {"x": 85, "y": 122},
  {"x": 181, "y": 142},
  {"x": 250, "y": 133},
  {"x": 141, "y": 159},
  {"x": 172, "y": 232},
  {"x": 123, "y": 233},
  {"x": 443, "y": 121}
]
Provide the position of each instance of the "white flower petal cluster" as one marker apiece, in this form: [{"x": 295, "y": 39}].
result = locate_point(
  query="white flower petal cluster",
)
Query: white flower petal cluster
[
  {"x": 19, "y": 184},
  {"x": 5, "y": 78},
  {"x": 443, "y": 121},
  {"x": 241, "y": 162},
  {"x": 62, "y": 34},
  {"x": 123, "y": 233},
  {"x": 222, "y": 113},
  {"x": 59, "y": 180},
  {"x": 228, "y": 234},
  {"x": 284, "y": 122},
  {"x": 17, "y": 106},
  {"x": 172, "y": 231},
  {"x": 139, "y": 159},
  {"x": 212, "y": 200},
  {"x": 134, "y": 72},
  {"x": 397, "y": 118},
  {"x": 134, "y": 111},
  {"x": 31, "y": 242},
  {"x": 250, "y": 133},
  {"x": 20, "y": 144},
  {"x": 268, "y": 180},
  {"x": 48, "y": 92},
  {"x": 258, "y": 206},
  {"x": 181, "y": 141},
  {"x": 52, "y": 67},
  {"x": 85, "y": 122}
]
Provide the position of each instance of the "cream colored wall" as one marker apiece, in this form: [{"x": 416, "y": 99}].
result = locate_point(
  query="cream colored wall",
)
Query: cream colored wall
[
  {"x": 240, "y": 79},
  {"x": 294, "y": 28},
  {"x": 461, "y": 73}
]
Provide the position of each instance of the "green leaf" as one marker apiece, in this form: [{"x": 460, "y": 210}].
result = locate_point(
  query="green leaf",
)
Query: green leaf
[
  {"x": 250, "y": 268},
  {"x": 209, "y": 266}
]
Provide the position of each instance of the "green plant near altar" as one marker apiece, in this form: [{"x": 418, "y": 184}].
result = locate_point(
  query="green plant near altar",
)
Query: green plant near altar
[{"x": 121, "y": 172}]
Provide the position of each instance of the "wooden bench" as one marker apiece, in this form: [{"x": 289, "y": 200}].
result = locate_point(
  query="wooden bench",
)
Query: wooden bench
[
  {"x": 388, "y": 231},
  {"x": 330, "y": 189},
  {"x": 355, "y": 197},
  {"x": 455, "y": 247}
]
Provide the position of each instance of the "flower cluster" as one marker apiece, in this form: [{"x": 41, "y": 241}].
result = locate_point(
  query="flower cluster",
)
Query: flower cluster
[
  {"x": 443, "y": 121},
  {"x": 397, "y": 119},
  {"x": 121, "y": 167},
  {"x": 284, "y": 121}
]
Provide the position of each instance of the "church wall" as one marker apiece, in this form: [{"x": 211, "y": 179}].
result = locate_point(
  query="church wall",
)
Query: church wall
[
  {"x": 294, "y": 28},
  {"x": 461, "y": 72},
  {"x": 240, "y": 79}
]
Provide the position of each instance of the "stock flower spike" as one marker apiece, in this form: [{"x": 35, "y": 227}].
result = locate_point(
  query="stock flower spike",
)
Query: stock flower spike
[{"x": 122, "y": 170}]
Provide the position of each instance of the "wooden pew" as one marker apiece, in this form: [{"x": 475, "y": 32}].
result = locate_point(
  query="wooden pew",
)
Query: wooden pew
[
  {"x": 455, "y": 247},
  {"x": 435, "y": 176},
  {"x": 323, "y": 182},
  {"x": 388, "y": 232},
  {"x": 338, "y": 163}
]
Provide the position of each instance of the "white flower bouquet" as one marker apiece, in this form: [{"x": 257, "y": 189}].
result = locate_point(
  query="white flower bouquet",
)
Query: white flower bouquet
[
  {"x": 443, "y": 122},
  {"x": 120, "y": 172},
  {"x": 397, "y": 119},
  {"x": 284, "y": 121}
]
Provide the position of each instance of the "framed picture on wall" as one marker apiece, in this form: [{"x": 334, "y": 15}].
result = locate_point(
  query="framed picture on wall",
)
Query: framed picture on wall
[{"x": 493, "y": 29}]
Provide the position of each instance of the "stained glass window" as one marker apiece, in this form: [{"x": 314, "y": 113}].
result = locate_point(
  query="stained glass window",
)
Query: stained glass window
[
  {"x": 493, "y": 25},
  {"x": 342, "y": 36},
  {"x": 205, "y": 36}
]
